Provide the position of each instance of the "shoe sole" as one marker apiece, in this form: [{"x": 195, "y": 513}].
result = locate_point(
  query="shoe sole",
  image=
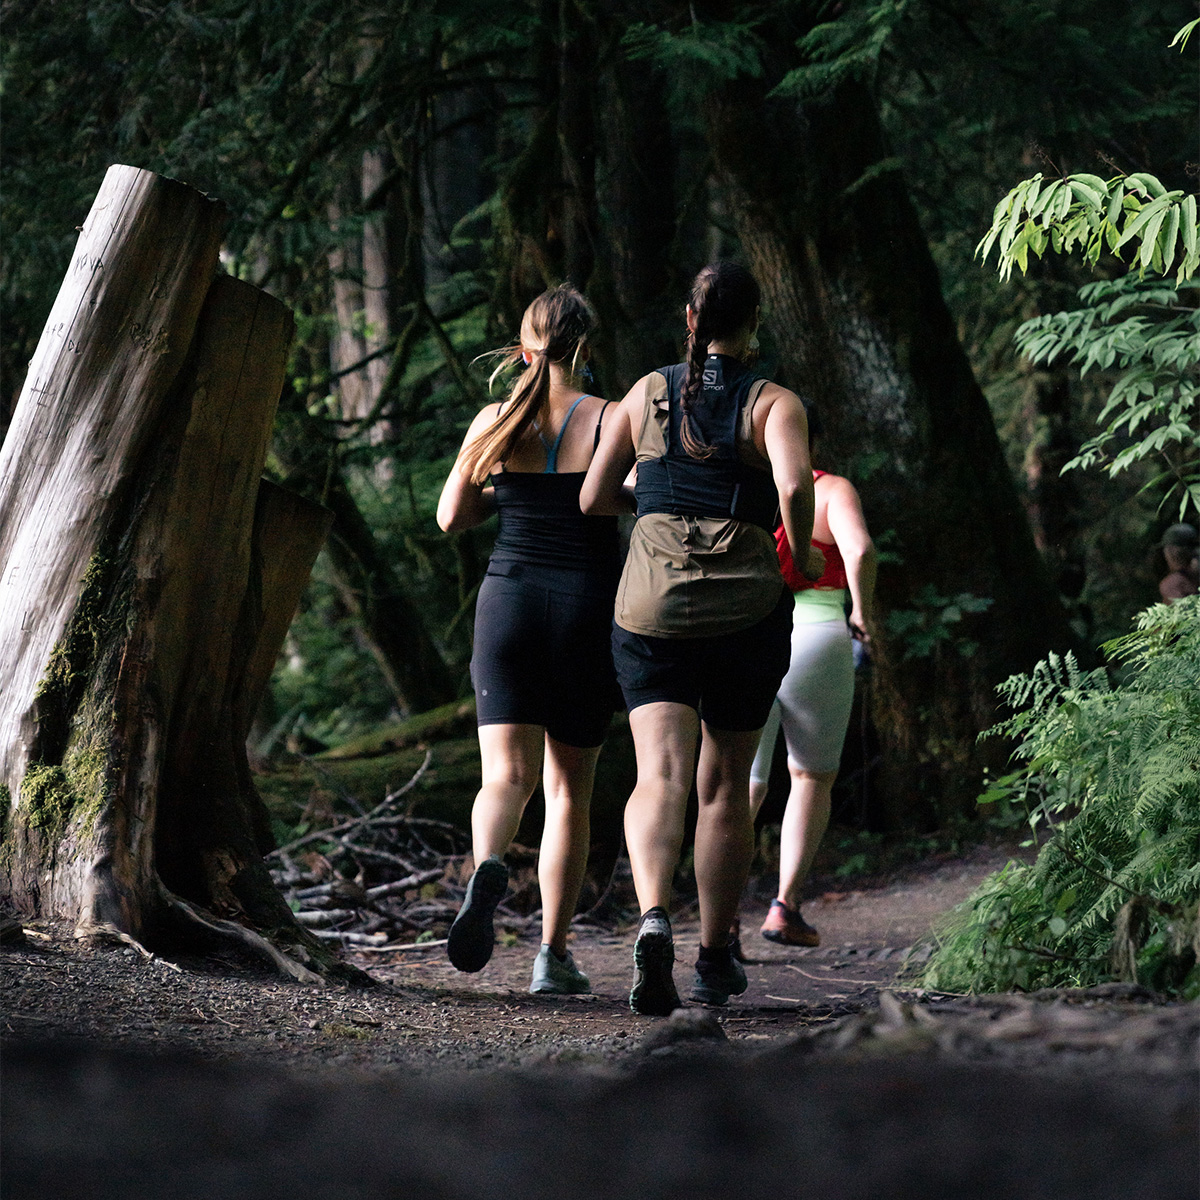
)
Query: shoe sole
[
  {"x": 553, "y": 989},
  {"x": 783, "y": 938},
  {"x": 472, "y": 937},
  {"x": 653, "y": 993}
]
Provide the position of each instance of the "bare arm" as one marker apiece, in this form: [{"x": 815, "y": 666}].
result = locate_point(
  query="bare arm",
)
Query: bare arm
[
  {"x": 785, "y": 445},
  {"x": 463, "y": 504},
  {"x": 844, "y": 514},
  {"x": 604, "y": 492}
]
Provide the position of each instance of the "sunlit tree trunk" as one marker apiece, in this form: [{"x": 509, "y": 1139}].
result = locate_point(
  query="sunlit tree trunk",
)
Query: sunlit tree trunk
[{"x": 148, "y": 585}]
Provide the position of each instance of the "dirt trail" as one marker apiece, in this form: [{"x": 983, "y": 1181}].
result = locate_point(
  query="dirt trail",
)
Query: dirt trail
[
  {"x": 206, "y": 1077},
  {"x": 426, "y": 1012}
]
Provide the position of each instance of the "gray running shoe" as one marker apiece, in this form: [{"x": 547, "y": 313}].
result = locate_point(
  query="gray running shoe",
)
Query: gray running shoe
[
  {"x": 653, "y": 993},
  {"x": 715, "y": 982},
  {"x": 557, "y": 976},
  {"x": 471, "y": 938}
]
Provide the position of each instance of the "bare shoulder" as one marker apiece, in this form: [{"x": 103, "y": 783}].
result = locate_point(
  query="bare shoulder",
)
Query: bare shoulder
[
  {"x": 835, "y": 484},
  {"x": 483, "y": 419},
  {"x": 773, "y": 393}
]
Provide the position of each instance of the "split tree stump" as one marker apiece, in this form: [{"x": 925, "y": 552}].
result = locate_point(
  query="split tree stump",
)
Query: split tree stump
[{"x": 148, "y": 580}]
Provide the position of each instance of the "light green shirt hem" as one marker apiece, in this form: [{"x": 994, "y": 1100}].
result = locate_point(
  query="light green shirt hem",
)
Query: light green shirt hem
[{"x": 819, "y": 604}]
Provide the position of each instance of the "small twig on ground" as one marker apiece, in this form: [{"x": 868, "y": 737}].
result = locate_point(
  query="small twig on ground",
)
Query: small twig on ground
[
  {"x": 106, "y": 929},
  {"x": 829, "y": 978}
]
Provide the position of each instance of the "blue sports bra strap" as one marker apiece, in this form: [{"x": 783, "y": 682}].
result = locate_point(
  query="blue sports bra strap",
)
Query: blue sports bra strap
[{"x": 551, "y": 467}]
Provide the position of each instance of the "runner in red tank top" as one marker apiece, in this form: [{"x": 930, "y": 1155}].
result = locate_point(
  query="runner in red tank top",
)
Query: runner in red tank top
[{"x": 813, "y": 706}]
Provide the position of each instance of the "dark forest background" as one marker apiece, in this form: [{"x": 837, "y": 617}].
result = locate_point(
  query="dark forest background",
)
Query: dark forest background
[{"x": 407, "y": 176}]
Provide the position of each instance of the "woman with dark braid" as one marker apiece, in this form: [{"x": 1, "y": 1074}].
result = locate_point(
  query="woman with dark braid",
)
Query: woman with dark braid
[
  {"x": 702, "y": 619},
  {"x": 541, "y": 666}
]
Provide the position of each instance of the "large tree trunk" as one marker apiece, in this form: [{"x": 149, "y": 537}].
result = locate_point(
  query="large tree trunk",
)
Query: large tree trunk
[
  {"x": 136, "y": 573},
  {"x": 857, "y": 314}
]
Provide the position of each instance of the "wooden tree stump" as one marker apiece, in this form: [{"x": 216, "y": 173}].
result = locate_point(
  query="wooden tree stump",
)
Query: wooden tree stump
[{"x": 148, "y": 583}]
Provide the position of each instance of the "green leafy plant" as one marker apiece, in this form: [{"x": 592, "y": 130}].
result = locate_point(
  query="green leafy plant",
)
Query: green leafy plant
[
  {"x": 1129, "y": 213},
  {"x": 1112, "y": 774},
  {"x": 1141, "y": 329},
  {"x": 935, "y": 622}
]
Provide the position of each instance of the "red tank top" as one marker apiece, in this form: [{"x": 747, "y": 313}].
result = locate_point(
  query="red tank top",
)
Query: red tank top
[{"x": 834, "y": 575}]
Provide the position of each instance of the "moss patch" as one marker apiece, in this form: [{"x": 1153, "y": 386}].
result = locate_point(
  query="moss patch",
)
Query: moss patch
[
  {"x": 47, "y": 797},
  {"x": 72, "y": 660}
]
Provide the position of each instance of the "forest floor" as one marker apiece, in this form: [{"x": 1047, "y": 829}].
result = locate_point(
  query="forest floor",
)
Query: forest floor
[
  {"x": 117, "y": 1068},
  {"x": 427, "y": 1015}
]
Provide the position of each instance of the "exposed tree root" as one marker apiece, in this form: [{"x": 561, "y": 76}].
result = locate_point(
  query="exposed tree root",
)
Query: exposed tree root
[{"x": 255, "y": 941}]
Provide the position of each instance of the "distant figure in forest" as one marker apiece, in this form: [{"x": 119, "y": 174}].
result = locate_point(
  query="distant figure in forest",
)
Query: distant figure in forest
[
  {"x": 702, "y": 620},
  {"x": 813, "y": 706},
  {"x": 1180, "y": 546},
  {"x": 541, "y": 667}
]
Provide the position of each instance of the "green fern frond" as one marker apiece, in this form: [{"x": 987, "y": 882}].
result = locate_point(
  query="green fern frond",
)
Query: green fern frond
[{"x": 1115, "y": 771}]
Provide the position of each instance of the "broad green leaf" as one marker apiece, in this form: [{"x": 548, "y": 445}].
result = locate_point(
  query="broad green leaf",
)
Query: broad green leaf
[
  {"x": 1135, "y": 227},
  {"x": 1038, "y": 207},
  {"x": 1085, "y": 194},
  {"x": 1150, "y": 236},
  {"x": 1116, "y": 202},
  {"x": 1147, "y": 181}
]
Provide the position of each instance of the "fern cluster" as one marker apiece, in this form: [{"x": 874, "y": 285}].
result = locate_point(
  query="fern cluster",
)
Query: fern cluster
[{"x": 1112, "y": 774}]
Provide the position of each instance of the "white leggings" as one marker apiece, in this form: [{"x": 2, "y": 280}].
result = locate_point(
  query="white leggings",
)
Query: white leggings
[{"x": 814, "y": 700}]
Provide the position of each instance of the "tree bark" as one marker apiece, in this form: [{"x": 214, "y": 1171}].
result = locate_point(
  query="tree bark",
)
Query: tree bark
[
  {"x": 413, "y": 666},
  {"x": 857, "y": 314},
  {"x": 124, "y": 720}
]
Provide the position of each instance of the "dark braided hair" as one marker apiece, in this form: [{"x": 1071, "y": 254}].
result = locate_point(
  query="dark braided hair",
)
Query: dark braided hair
[{"x": 724, "y": 298}]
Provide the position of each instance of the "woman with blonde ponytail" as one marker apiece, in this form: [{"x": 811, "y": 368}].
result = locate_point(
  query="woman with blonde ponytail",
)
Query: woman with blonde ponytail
[
  {"x": 703, "y": 620},
  {"x": 542, "y": 668}
]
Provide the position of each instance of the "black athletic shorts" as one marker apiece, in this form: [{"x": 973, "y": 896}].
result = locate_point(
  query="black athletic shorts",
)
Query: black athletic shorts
[
  {"x": 542, "y": 653},
  {"x": 730, "y": 680}
]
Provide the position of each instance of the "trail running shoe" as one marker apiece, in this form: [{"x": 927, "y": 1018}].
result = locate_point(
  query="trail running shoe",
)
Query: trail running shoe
[
  {"x": 469, "y": 944},
  {"x": 718, "y": 979},
  {"x": 787, "y": 927},
  {"x": 557, "y": 976},
  {"x": 653, "y": 993}
]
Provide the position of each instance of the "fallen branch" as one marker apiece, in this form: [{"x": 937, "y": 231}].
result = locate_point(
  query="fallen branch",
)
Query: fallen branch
[
  {"x": 403, "y": 885},
  {"x": 401, "y": 946},
  {"x": 356, "y": 822}
]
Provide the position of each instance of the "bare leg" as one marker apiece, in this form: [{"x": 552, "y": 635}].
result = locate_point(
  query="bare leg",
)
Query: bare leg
[
  {"x": 724, "y": 829},
  {"x": 804, "y": 823},
  {"x": 570, "y": 773},
  {"x": 664, "y": 739},
  {"x": 512, "y": 761},
  {"x": 758, "y": 793}
]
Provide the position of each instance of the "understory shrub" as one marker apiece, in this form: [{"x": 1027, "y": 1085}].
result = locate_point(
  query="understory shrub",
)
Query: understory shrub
[{"x": 1110, "y": 774}]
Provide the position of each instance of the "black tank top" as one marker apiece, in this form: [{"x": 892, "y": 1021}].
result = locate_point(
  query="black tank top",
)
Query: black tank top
[
  {"x": 541, "y": 523},
  {"x": 720, "y": 485}
]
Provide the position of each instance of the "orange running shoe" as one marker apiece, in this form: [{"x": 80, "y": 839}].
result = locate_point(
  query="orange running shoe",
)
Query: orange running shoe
[{"x": 786, "y": 926}]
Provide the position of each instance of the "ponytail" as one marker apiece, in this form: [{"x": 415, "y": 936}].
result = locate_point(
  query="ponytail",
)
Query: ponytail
[
  {"x": 697, "y": 352},
  {"x": 554, "y": 329},
  {"x": 529, "y": 396},
  {"x": 723, "y": 302}
]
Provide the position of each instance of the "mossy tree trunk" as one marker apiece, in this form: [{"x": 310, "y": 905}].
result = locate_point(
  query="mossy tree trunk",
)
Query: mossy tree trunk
[{"x": 149, "y": 581}]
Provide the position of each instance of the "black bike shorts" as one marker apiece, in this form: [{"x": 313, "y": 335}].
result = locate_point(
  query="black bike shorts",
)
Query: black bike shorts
[
  {"x": 542, "y": 654},
  {"x": 730, "y": 680}
]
